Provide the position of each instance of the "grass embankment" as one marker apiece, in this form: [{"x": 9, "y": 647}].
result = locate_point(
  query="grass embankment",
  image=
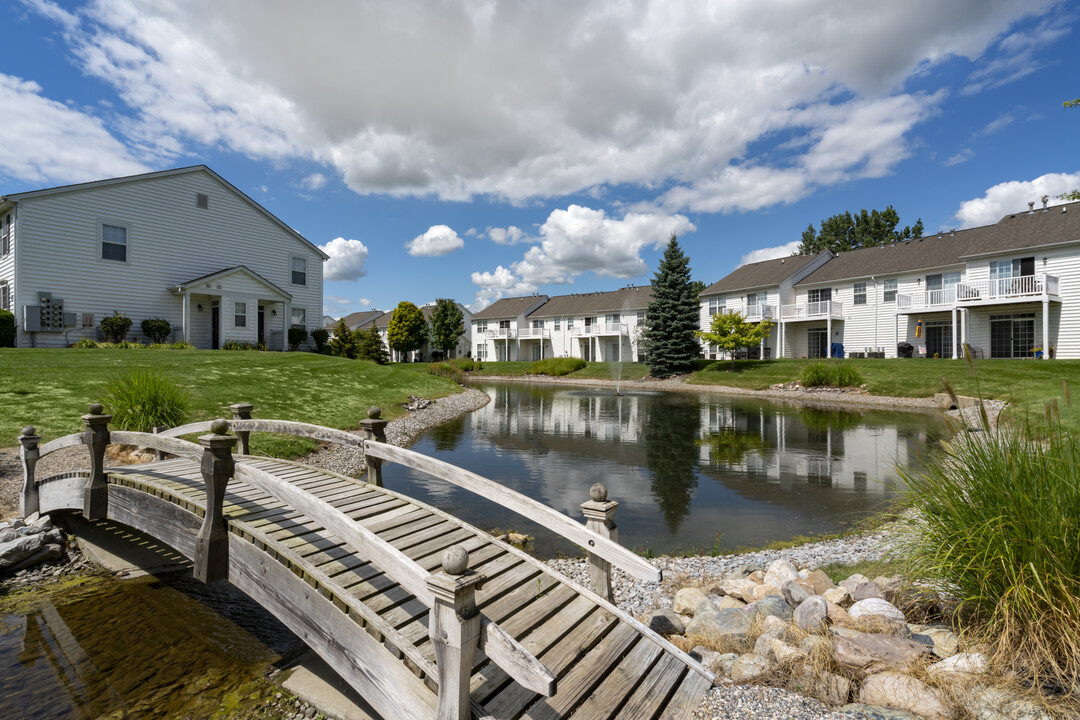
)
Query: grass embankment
[
  {"x": 591, "y": 371},
  {"x": 50, "y": 389}
]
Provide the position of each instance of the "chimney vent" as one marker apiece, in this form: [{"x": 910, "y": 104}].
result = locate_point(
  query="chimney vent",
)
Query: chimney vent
[
  {"x": 1045, "y": 199},
  {"x": 1031, "y": 207}
]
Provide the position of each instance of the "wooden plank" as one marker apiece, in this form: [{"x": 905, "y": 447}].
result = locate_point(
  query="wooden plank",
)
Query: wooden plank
[
  {"x": 175, "y": 446},
  {"x": 390, "y": 687},
  {"x": 687, "y": 698},
  {"x": 402, "y": 522},
  {"x": 287, "y": 427},
  {"x": 515, "y": 661},
  {"x": 60, "y": 443},
  {"x": 524, "y": 506},
  {"x": 604, "y": 701},
  {"x": 65, "y": 493},
  {"x": 651, "y": 695},
  {"x": 156, "y": 517},
  {"x": 203, "y": 426}
]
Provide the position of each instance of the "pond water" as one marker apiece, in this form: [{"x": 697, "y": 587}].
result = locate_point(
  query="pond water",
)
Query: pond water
[{"x": 690, "y": 471}]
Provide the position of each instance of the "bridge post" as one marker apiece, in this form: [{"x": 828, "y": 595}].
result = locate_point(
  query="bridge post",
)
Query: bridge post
[
  {"x": 212, "y": 542},
  {"x": 29, "y": 439},
  {"x": 599, "y": 514},
  {"x": 375, "y": 430},
  {"x": 242, "y": 411},
  {"x": 96, "y": 494},
  {"x": 454, "y": 628},
  {"x": 159, "y": 455}
]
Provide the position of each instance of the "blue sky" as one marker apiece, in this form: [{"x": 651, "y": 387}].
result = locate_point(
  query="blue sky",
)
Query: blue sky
[{"x": 477, "y": 149}]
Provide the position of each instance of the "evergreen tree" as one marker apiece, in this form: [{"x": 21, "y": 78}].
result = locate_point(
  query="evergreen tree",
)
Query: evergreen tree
[
  {"x": 408, "y": 331},
  {"x": 845, "y": 231},
  {"x": 447, "y": 325},
  {"x": 672, "y": 316},
  {"x": 344, "y": 342},
  {"x": 369, "y": 346}
]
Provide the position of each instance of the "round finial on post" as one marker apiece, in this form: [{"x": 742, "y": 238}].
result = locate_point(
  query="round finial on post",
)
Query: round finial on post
[
  {"x": 455, "y": 560},
  {"x": 598, "y": 493},
  {"x": 29, "y": 430},
  {"x": 219, "y": 426},
  {"x": 97, "y": 409},
  {"x": 374, "y": 412}
]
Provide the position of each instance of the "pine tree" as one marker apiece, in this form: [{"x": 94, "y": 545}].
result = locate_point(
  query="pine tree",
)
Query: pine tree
[
  {"x": 344, "y": 342},
  {"x": 672, "y": 316},
  {"x": 370, "y": 346}
]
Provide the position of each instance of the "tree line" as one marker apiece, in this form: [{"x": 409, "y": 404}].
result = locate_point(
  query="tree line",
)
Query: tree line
[{"x": 406, "y": 332}]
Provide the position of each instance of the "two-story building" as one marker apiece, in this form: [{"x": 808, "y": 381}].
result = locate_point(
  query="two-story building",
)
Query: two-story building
[
  {"x": 183, "y": 245},
  {"x": 596, "y": 326},
  {"x": 496, "y": 328}
]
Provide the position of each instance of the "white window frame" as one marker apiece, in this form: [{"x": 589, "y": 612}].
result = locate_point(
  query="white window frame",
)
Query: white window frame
[
  {"x": 892, "y": 285},
  {"x": 292, "y": 270},
  {"x": 240, "y": 313},
  {"x": 569, "y": 323},
  {"x": 6, "y": 234},
  {"x": 641, "y": 318},
  {"x": 303, "y": 317},
  {"x": 858, "y": 293},
  {"x": 481, "y": 327},
  {"x": 481, "y": 351},
  {"x": 558, "y": 323},
  {"x": 5, "y": 296},
  {"x": 102, "y": 242},
  {"x": 717, "y": 306}
]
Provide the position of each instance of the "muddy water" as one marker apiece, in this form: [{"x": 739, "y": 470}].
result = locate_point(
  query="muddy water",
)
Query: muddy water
[{"x": 147, "y": 648}]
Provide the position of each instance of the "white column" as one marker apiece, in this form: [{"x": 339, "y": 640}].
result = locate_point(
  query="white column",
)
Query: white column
[
  {"x": 284, "y": 325},
  {"x": 185, "y": 315},
  {"x": 955, "y": 335},
  {"x": 828, "y": 332},
  {"x": 1046, "y": 327}
]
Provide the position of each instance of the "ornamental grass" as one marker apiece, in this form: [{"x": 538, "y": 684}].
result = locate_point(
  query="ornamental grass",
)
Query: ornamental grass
[{"x": 142, "y": 398}]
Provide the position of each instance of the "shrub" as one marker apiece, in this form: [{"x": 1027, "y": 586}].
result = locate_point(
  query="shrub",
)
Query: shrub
[
  {"x": 467, "y": 364},
  {"x": 296, "y": 337},
  {"x": 371, "y": 347},
  {"x": 142, "y": 398},
  {"x": 7, "y": 328},
  {"x": 115, "y": 327},
  {"x": 237, "y": 345},
  {"x": 156, "y": 329},
  {"x": 87, "y": 343},
  {"x": 556, "y": 366},
  {"x": 830, "y": 374},
  {"x": 993, "y": 522},
  {"x": 448, "y": 371},
  {"x": 319, "y": 336}
]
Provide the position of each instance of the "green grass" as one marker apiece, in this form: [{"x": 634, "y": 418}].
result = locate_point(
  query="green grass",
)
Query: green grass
[
  {"x": 50, "y": 389},
  {"x": 591, "y": 371},
  {"x": 556, "y": 366}
]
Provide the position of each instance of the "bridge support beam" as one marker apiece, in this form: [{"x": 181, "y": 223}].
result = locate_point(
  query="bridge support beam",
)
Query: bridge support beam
[
  {"x": 599, "y": 516},
  {"x": 454, "y": 627},
  {"x": 96, "y": 495},
  {"x": 242, "y": 411},
  {"x": 374, "y": 430},
  {"x": 212, "y": 542},
  {"x": 28, "y": 501}
]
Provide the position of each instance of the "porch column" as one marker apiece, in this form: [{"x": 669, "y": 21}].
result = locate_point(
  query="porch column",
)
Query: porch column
[
  {"x": 1046, "y": 327},
  {"x": 185, "y": 314},
  {"x": 965, "y": 320},
  {"x": 955, "y": 335},
  {"x": 284, "y": 325},
  {"x": 828, "y": 333}
]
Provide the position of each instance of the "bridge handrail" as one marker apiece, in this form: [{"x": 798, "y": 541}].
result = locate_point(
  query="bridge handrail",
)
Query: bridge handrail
[
  {"x": 154, "y": 441},
  {"x": 62, "y": 442},
  {"x": 285, "y": 427},
  {"x": 500, "y": 648},
  {"x": 521, "y": 504}
]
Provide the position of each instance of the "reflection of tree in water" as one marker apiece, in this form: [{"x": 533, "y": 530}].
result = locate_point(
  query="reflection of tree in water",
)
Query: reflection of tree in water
[
  {"x": 822, "y": 419},
  {"x": 728, "y": 446},
  {"x": 669, "y": 431},
  {"x": 446, "y": 436}
]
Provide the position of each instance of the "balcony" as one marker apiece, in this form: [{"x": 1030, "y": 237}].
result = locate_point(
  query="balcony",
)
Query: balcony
[
  {"x": 760, "y": 312},
  {"x": 534, "y": 334},
  {"x": 501, "y": 334},
  {"x": 812, "y": 310},
  {"x": 943, "y": 299},
  {"x": 600, "y": 329},
  {"x": 1024, "y": 287}
]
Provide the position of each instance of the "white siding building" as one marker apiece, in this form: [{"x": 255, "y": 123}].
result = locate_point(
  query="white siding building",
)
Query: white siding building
[
  {"x": 182, "y": 244},
  {"x": 597, "y": 326},
  {"x": 496, "y": 328}
]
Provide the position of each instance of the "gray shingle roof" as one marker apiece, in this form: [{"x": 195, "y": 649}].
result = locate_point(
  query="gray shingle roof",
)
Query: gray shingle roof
[
  {"x": 509, "y": 307},
  {"x": 766, "y": 273},
  {"x": 1017, "y": 231},
  {"x": 595, "y": 303},
  {"x": 359, "y": 320}
]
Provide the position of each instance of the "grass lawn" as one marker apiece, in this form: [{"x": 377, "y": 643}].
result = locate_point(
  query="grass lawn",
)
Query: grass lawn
[
  {"x": 50, "y": 389},
  {"x": 592, "y": 371}
]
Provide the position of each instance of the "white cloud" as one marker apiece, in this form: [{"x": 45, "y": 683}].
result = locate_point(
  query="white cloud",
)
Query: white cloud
[
  {"x": 1014, "y": 196},
  {"x": 961, "y": 157},
  {"x": 314, "y": 181},
  {"x": 47, "y": 141},
  {"x": 771, "y": 253},
  {"x": 338, "y": 300},
  {"x": 347, "y": 259},
  {"x": 1017, "y": 58},
  {"x": 544, "y": 99},
  {"x": 508, "y": 236},
  {"x": 438, "y": 240}
]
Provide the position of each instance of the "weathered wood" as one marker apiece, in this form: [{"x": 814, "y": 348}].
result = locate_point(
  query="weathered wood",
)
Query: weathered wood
[
  {"x": 685, "y": 701},
  {"x": 62, "y": 442},
  {"x": 396, "y": 564},
  {"x": 605, "y": 699},
  {"x": 159, "y": 455},
  {"x": 28, "y": 498},
  {"x": 288, "y": 427},
  {"x": 455, "y": 632},
  {"x": 62, "y": 492},
  {"x": 155, "y": 516},
  {"x": 203, "y": 426},
  {"x": 212, "y": 543},
  {"x": 391, "y": 689},
  {"x": 599, "y": 517},
  {"x": 518, "y": 663},
  {"x": 525, "y": 506},
  {"x": 650, "y": 694},
  {"x": 242, "y": 411},
  {"x": 96, "y": 496},
  {"x": 161, "y": 443},
  {"x": 375, "y": 431}
]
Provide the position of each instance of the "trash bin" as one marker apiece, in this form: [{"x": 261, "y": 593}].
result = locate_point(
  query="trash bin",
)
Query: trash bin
[
  {"x": 837, "y": 350},
  {"x": 904, "y": 349}
]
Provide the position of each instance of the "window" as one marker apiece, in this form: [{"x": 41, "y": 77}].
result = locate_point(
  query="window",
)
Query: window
[
  {"x": 5, "y": 297},
  {"x": 890, "y": 290},
  {"x": 113, "y": 243},
  {"x": 819, "y": 295},
  {"x": 557, "y": 323},
  {"x": 299, "y": 271},
  {"x": 481, "y": 352},
  {"x": 240, "y": 314},
  {"x": 860, "y": 294},
  {"x": 641, "y": 318},
  {"x": 298, "y": 317},
  {"x": 569, "y": 323},
  {"x": 538, "y": 324},
  {"x": 504, "y": 324},
  {"x": 481, "y": 327},
  {"x": 716, "y": 305},
  {"x": 5, "y": 235},
  {"x": 202, "y": 201}
]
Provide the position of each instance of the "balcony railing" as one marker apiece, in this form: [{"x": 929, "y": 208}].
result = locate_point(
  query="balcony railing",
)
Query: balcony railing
[
  {"x": 760, "y": 312},
  {"x": 825, "y": 308},
  {"x": 501, "y": 333},
  {"x": 534, "y": 333},
  {"x": 600, "y": 329},
  {"x": 1022, "y": 286},
  {"x": 928, "y": 299}
]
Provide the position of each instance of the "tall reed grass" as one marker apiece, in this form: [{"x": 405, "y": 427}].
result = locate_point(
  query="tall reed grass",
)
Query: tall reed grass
[
  {"x": 556, "y": 366},
  {"x": 142, "y": 398},
  {"x": 830, "y": 374}
]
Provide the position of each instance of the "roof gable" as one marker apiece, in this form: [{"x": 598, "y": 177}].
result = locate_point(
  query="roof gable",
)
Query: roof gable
[
  {"x": 224, "y": 272},
  {"x": 623, "y": 299},
  {"x": 511, "y": 307},
  {"x": 766, "y": 273}
]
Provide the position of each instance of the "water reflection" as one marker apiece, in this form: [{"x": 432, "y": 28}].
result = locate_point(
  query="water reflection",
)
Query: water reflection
[{"x": 685, "y": 468}]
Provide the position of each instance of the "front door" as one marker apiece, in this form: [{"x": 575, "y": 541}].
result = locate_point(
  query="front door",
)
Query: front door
[
  {"x": 215, "y": 326},
  {"x": 262, "y": 325},
  {"x": 817, "y": 343}
]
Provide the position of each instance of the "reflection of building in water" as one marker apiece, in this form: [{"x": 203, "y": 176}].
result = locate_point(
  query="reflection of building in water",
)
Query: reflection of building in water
[
  {"x": 597, "y": 415},
  {"x": 837, "y": 449}
]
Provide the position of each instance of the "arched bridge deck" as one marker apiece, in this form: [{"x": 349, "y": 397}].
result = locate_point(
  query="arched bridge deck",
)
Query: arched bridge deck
[{"x": 354, "y": 569}]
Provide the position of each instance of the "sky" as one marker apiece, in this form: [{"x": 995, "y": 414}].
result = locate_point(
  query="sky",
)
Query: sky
[{"x": 475, "y": 149}]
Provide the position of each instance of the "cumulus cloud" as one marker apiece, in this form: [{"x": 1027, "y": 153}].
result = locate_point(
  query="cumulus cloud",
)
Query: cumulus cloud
[
  {"x": 314, "y": 181},
  {"x": 51, "y": 142},
  {"x": 508, "y": 236},
  {"x": 438, "y": 240},
  {"x": 544, "y": 99},
  {"x": 772, "y": 253},
  {"x": 1014, "y": 196},
  {"x": 347, "y": 259}
]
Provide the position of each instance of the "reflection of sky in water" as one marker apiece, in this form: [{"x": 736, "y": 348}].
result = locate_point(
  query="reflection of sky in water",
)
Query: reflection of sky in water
[{"x": 685, "y": 468}]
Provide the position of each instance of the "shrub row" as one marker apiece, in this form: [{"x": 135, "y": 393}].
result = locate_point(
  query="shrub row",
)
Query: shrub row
[
  {"x": 125, "y": 345},
  {"x": 830, "y": 374},
  {"x": 556, "y": 366}
]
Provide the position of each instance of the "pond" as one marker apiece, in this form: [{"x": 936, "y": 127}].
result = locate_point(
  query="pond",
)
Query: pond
[{"x": 691, "y": 472}]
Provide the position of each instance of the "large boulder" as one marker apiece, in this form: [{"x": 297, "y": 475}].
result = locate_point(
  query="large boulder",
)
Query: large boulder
[
  {"x": 836, "y": 613},
  {"x": 853, "y": 582},
  {"x": 893, "y": 689},
  {"x": 18, "y": 549},
  {"x": 749, "y": 667},
  {"x": 794, "y": 593},
  {"x": 774, "y": 605},
  {"x": 971, "y": 663},
  {"x": 812, "y": 615},
  {"x": 719, "y": 625},
  {"x": 827, "y": 687},
  {"x": 727, "y": 602},
  {"x": 666, "y": 622},
  {"x": 876, "y": 607},
  {"x": 875, "y": 712},
  {"x": 820, "y": 581},
  {"x": 687, "y": 599},
  {"x": 836, "y": 595},
  {"x": 757, "y": 592},
  {"x": 867, "y": 590},
  {"x": 871, "y": 652},
  {"x": 944, "y": 641},
  {"x": 779, "y": 572},
  {"x": 735, "y": 586},
  {"x": 991, "y": 703}
]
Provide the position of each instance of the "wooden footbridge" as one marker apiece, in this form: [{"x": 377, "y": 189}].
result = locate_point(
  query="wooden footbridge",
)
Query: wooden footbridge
[{"x": 423, "y": 614}]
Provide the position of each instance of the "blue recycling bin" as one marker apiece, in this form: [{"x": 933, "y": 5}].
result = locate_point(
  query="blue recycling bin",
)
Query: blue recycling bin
[{"x": 837, "y": 350}]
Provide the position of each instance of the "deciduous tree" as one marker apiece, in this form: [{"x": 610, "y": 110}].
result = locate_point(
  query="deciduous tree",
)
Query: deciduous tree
[
  {"x": 730, "y": 331},
  {"x": 447, "y": 325},
  {"x": 845, "y": 231},
  {"x": 408, "y": 331},
  {"x": 672, "y": 316}
]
